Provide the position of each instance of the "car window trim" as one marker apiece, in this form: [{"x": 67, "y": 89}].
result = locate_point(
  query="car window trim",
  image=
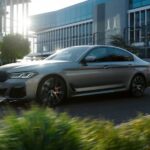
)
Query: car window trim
[
  {"x": 124, "y": 51},
  {"x": 90, "y": 49}
]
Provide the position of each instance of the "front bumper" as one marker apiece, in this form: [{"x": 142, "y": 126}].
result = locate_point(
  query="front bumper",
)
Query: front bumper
[
  {"x": 18, "y": 89},
  {"x": 12, "y": 91}
]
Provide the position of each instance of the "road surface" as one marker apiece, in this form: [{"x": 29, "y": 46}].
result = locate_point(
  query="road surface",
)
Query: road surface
[{"x": 119, "y": 107}]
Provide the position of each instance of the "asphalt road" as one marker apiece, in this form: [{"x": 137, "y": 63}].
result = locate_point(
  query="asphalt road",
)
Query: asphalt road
[{"x": 119, "y": 107}]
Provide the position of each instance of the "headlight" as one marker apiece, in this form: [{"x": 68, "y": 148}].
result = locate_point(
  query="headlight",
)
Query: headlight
[{"x": 22, "y": 75}]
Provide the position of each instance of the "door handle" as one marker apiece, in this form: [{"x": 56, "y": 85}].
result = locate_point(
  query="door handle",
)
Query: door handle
[
  {"x": 106, "y": 67},
  {"x": 130, "y": 65}
]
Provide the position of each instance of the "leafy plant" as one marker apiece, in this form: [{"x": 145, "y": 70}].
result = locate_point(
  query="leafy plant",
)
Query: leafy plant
[
  {"x": 14, "y": 47},
  {"x": 118, "y": 40}
]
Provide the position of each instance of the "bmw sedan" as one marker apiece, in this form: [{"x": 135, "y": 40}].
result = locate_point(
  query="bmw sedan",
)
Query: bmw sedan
[{"x": 75, "y": 71}]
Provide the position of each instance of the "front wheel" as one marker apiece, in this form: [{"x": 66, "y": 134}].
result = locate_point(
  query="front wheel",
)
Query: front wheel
[
  {"x": 51, "y": 91},
  {"x": 138, "y": 86}
]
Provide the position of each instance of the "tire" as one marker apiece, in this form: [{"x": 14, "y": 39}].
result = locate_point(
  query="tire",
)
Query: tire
[
  {"x": 138, "y": 86},
  {"x": 52, "y": 91}
]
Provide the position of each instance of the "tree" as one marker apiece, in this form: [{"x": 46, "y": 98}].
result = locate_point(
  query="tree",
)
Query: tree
[
  {"x": 14, "y": 47},
  {"x": 119, "y": 41}
]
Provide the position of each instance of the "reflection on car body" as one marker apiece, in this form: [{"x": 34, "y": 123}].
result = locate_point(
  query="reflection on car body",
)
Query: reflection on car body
[{"x": 36, "y": 56}]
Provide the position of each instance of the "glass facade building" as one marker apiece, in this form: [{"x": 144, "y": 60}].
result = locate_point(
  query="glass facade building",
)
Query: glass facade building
[
  {"x": 77, "y": 34},
  {"x": 138, "y": 3},
  {"x": 70, "y": 26},
  {"x": 94, "y": 22},
  {"x": 76, "y": 13},
  {"x": 139, "y": 25},
  {"x": 13, "y": 17}
]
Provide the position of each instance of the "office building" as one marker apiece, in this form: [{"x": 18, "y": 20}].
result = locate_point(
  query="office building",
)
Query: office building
[
  {"x": 94, "y": 22},
  {"x": 89, "y": 22},
  {"x": 13, "y": 17},
  {"x": 139, "y": 25}
]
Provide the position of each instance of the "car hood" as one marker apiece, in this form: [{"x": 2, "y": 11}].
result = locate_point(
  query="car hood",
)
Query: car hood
[{"x": 28, "y": 66}]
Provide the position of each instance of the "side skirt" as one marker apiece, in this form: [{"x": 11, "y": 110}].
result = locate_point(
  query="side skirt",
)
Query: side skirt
[{"x": 96, "y": 92}]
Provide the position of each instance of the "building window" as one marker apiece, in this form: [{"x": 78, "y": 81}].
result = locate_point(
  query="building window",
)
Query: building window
[
  {"x": 137, "y": 19},
  {"x": 132, "y": 20},
  {"x": 143, "y": 17},
  {"x": 131, "y": 27},
  {"x": 148, "y": 16}
]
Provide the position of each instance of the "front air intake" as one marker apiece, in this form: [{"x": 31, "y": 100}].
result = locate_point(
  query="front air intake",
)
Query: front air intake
[{"x": 3, "y": 76}]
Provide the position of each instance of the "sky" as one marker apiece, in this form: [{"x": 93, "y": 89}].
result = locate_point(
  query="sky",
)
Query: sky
[{"x": 42, "y": 6}]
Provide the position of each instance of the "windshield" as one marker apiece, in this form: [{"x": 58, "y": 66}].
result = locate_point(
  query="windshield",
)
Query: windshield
[{"x": 68, "y": 54}]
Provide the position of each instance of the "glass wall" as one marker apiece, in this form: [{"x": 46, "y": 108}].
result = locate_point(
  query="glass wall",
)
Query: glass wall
[
  {"x": 76, "y": 13},
  {"x": 79, "y": 34},
  {"x": 138, "y": 3},
  {"x": 70, "y": 26},
  {"x": 139, "y": 29},
  {"x": 139, "y": 25}
]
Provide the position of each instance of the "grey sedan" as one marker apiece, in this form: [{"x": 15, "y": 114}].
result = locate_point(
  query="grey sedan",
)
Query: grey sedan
[{"x": 75, "y": 71}]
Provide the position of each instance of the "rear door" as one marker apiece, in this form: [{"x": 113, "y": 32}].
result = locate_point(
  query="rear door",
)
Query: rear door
[{"x": 121, "y": 63}]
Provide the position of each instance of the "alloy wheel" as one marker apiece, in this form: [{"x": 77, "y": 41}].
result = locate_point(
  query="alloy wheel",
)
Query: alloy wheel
[
  {"x": 52, "y": 91},
  {"x": 138, "y": 86}
]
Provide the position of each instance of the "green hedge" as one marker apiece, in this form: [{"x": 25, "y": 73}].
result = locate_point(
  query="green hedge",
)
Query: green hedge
[{"x": 42, "y": 129}]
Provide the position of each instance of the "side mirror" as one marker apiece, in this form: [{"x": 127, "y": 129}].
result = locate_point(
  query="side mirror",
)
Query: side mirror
[{"x": 89, "y": 59}]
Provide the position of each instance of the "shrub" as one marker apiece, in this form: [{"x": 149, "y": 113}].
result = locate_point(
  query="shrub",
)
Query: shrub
[
  {"x": 137, "y": 131},
  {"x": 40, "y": 129}
]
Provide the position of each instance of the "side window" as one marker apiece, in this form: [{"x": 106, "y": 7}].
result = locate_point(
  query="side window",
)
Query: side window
[
  {"x": 119, "y": 55},
  {"x": 98, "y": 54}
]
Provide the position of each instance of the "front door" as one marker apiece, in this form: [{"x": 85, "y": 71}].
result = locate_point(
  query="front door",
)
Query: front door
[{"x": 105, "y": 68}]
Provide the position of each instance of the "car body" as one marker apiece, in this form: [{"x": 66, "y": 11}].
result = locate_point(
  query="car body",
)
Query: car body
[{"x": 75, "y": 71}]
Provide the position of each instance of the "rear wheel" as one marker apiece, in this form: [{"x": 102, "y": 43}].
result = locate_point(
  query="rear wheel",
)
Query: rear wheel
[
  {"x": 138, "y": 86},
  {"x": 51, "y": 91}
]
